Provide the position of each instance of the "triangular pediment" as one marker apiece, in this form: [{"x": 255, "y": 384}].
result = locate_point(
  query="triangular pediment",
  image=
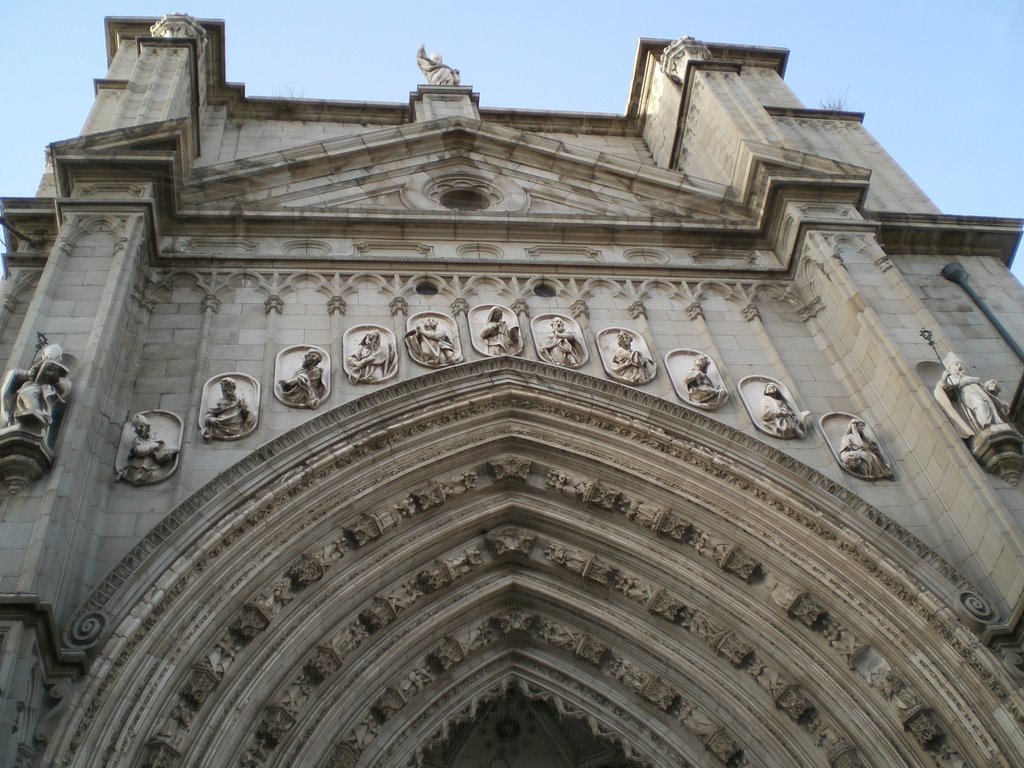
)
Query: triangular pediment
[{"x": 407, "y": 169}]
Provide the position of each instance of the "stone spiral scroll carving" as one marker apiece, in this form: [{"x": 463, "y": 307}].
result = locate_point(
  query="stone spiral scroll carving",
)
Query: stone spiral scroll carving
[
  {"x": 696, "y": 379},
  {"x": 302, "y": 376},
  {"x": 148, "y": 451},
  {"x": 230, "y": 409},
  {"x": 496, "y": 330},
  {"x": 559, "y": 340},
  {"x": 772, "y": 408},
  {"x": 370, "y": 354},
  {"x": 625, "y": 356},
  {"x": 854, "y": 446},
  {"x": 432, "y": 339}
]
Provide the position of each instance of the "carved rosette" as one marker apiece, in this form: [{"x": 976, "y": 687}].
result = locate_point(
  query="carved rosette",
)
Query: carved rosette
[
  {"x": 512, "y": 467},
  {"x": 321, "y": 664},
  {"x": 250, "y": 622},
  {"x": 304, "y": 571},
  {"x": 507, "y": 541},
  {"x": 200, "y": 683},
  {"x": 276, "y": 722},
  {"x": 447, "y": 654}
]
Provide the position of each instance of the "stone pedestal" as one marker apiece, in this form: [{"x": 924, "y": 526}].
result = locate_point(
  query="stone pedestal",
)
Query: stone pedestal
[
  {"x": 999, "y": 450},
  {"x": 24, "y": 457},
  {"x": 432, "y": 102}
]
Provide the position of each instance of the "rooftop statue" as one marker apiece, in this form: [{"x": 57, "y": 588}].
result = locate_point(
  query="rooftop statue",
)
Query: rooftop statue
[{"x": 434, "y": 69}]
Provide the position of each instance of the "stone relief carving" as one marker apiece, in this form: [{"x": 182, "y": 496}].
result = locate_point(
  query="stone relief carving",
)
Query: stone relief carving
[
  {"x": 432, "y": 339},
  {"x": 434, "y": 68},
  {"x": 32, "y": 402},
  {"x": 230, "y": 407},
  {"x": 148, "y": 452},
  {"x": 370, "y": 354},
  {"x": 496, "y": 330},
  {"x": 302, "y": 376},
  {"x": 559, "y": 340},
  {"x": 853, "y": 445},
  {"x": 772, "y": 409},
  {"x": 625, "y": 356},
  {"x": 979, "y": 416},
  {"x": 696, "y": 379}
]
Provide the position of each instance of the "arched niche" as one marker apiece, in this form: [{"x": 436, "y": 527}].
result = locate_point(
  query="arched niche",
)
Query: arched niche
[{"x": 663, "y": 577}]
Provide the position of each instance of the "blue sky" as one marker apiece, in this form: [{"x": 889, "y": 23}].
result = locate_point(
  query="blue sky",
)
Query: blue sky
[{"x": 941, "y": 82}]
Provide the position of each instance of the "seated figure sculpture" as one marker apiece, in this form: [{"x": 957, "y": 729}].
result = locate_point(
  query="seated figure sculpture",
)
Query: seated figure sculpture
[
  {"x": 148, "y": 458},
  {"x": 230, "y": 417},
  {"x": 434, "y": 69},
  {"x": 305, "y": 388},
  {"x": 778, "y": 416},
  {"x": 630, "y": 364},
  {"x": 861, "y": 456},
  {"x": 700, "y": 388},
  {"x": 430, "y": 345}
]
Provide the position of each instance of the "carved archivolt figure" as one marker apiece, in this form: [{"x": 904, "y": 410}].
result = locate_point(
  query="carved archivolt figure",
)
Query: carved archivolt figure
[
  {"x": 373, "y": 359},
  {"x": 972, "y": 405},
  {"x": 561, "y": 345},
  {"x": 701, "y": 390},
  {"x": 628, "y": 360},
  {"x": 307, "y": 387},
  {"x": 860, "y": 455},
  {"x": 148, "y": 459},
  {"x": 500, "y": 334},
  {"x": 778, "y": 416},
  {"x": 431, "y": 345},
  {"x": 434, "y": 69},
  {"x": 230, "y": 416},
  {"x": 33, "y": 398}
]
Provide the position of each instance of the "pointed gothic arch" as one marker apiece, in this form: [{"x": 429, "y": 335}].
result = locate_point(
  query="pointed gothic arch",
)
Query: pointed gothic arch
[{"x": 347, "y": 592}]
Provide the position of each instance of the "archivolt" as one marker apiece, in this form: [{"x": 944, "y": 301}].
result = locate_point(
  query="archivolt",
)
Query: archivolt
[{"x": 691, "y": 593}]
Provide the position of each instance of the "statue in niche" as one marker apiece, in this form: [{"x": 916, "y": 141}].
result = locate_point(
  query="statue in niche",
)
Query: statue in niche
[
  {"x": 778, "y": 416},
  {"x": 374, "y": 358},
  {"x": 972, "y": 404},
  {"x": 563, "y": 346},
  {"x": 500, "y": 336},
  {"x": 229, "y": 417},
  {"x": 434, "y": 69},
  {"x": 306, "y": 387},
  {"x": 431, "y": 345},
  {"x": 861, "y": 456},
  {"x": 149, "y": 460},
  {"x": 630, "y": 364},
  {"x": 33, "y": 399},
  {"x": 700, "y": 388}
]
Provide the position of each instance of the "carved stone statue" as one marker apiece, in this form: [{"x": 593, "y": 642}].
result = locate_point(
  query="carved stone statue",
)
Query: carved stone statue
[
  {"x": 979, "y": 416},
  {"x": 860, "y": 455},
  {"x": 149, "y": 459},
  {"x": 972, "y": 404},
  {"x": 626, "y": 359},
  {"x": 431, "y": 345},
  {"x": 778, "y": 416},
  {"x": 434, "y": 69},
  {"x": 373, "y": 358},
  {"x": 701, "y": 390},
  {"x": 32, "y": 402},
  {"x": 500, "y": 333},
  {"x": 307, "y": 386},
  {"x": 561, "y": 345},
  {"x": 34, "y": 398},
  {"x": 230, "y": 416}
]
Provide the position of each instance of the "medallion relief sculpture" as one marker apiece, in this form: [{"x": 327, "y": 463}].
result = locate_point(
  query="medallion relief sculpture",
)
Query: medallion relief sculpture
[
  {"x": 772, "y": 409},
  {"x": 496, "y": 330},
  {"x": 230, "y": 407},
  {"x": 302, "y": 376},
  {"x": 979, "y": 416},
  {"x": 432, "y": 339},
  {"x": 149, "y": 448},
  {"x": 625, "y": 356},
  {"x": 853, "y": 445},
  {"x": 696, "y": 379},
  {"x": 370, "y": 354},
  {"x": 559, "y": 340}
]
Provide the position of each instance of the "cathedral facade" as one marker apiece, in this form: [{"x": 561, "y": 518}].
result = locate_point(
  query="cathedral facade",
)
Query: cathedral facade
[{"x": 422, "y": 433}]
